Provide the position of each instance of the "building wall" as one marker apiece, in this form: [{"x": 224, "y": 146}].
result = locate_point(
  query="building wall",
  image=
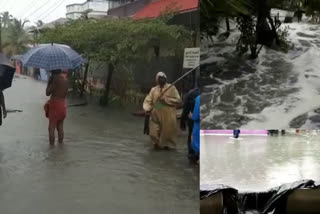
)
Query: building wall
[
  {"x": 74, "y": 15},
  {"x": 128, "y": 9},
  {"x": 100, "y": 8}
]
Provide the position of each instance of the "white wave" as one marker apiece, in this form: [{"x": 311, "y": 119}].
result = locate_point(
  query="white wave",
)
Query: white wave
[{"x": 308, "y": 97}]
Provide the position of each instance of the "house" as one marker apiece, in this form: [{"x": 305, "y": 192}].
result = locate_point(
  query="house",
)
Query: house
[
  {"x": 92, "y": 8},
  {"x": 186, "y": 12},
  {"x": 128, "y": 8}
]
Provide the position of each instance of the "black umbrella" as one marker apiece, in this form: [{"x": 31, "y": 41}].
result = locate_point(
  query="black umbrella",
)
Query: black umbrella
[{"x": 6, "y": 72}]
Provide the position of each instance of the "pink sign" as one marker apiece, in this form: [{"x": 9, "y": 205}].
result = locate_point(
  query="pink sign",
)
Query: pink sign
[{"x": 230, "y": 132}]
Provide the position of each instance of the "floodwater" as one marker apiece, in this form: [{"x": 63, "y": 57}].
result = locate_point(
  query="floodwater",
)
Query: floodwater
[
  {"x": 259, "y": 163},
  {"x": 106, "y": 165},
  {"x": 275, "y": 91}
]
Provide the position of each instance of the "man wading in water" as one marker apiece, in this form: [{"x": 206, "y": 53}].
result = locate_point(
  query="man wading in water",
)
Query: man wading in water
[
  {"x": 162, "y": 110},
  {"x": 56, "y": 108}
]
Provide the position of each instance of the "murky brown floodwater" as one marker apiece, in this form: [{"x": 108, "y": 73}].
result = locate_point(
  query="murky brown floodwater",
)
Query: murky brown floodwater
[
  {"x": 105, "y": 165},
  {"x": 258, "y": 163}
]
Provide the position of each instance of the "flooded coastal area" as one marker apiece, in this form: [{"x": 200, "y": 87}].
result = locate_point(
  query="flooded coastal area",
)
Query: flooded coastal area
[
  {"x": 254, "y": 94},
  {"x": 106, "y": 164}
]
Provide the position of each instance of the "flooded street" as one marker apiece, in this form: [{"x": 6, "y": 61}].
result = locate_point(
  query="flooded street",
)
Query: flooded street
[
  {"x": 254, "y": 94},
  {"x": 258, "y": 163},
  {"x": 105, "y": 165}
]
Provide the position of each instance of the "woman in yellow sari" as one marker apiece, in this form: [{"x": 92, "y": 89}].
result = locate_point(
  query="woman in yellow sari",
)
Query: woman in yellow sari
[{"x": 162, "y": 110}]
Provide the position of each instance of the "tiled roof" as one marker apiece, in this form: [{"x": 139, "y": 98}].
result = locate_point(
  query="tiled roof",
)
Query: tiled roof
[{"x": 156, "y": 8}]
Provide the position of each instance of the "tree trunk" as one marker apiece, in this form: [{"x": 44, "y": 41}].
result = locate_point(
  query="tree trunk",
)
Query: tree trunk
[
  {"x": 274, "y": 30},
  {"x": 105, "y": 98},
  {"x": 228, "y": 24},
  {"x": 84, "y": 79}
]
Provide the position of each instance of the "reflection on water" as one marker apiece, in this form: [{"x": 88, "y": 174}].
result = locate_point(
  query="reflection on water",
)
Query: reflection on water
[
  {"x": 258, "y": 163},
  {"x": 105, "y": 166}
]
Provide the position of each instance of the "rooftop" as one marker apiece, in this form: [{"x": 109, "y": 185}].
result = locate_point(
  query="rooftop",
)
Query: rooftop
[{"x": 158, "y": 7}]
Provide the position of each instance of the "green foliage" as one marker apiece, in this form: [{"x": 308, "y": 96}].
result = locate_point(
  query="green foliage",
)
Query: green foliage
[
  {"x": 313, "y": 9},
  {"x": 14, "y": 38},
  {"x": 119, "y": 40},
  {"x": 211, "y": 11},
  {"x": 253, "y": 20}
]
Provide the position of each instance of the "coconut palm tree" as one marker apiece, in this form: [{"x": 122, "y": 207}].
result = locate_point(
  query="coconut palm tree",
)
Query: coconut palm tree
[
  {"x": 39, "y": 23},
  {"x": 6, "y": 19},
  {"x": 15, "y": 38}
]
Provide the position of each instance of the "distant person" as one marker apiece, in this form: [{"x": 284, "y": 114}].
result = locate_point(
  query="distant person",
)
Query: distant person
[
  {"x": 56, "y": 108},
  {"x": 196, "y": 128},
  {"x": 236, "y": 133},
  {"x": 3, "y": 109},
  {"x": 188, "y": 107},
  {"x": 163, "y": 113}
]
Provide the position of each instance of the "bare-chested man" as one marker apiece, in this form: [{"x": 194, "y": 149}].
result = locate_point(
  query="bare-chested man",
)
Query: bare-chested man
[{"x": 56, "y": 108}]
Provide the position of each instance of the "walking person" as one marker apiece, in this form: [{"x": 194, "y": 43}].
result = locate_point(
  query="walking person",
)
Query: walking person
[
  {"x": 3, "y": 110},
  {"x": 196, "y": 129},
  {"x": 162, "y": 110},
  {"x": 56, "y": 108},
  {"x": 236, "y": 133},
  {"x": 188, "y": 107}
]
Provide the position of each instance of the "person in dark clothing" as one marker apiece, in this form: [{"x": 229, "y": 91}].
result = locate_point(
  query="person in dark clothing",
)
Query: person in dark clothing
[
  {"x": 188, "y": 107},
  {"x": 236, "y": 133}
]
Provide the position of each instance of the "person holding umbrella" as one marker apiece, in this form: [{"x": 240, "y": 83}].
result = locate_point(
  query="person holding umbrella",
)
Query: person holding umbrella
[
  {"x": 6, "y": 77},
  {"x": 54, "y": 58},
  {"x": 56, "y": 108}
]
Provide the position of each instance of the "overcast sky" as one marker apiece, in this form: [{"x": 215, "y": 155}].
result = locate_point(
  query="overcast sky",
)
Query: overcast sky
[{"x": 34, "y": 10}]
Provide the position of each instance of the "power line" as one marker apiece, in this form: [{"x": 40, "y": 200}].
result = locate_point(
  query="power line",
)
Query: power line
[
  {"x": 33, "y": 11},
  {"x": 34, "y": 2},
  {"x": 58, "y": 5},
  {"x": 40, "y": 17}
]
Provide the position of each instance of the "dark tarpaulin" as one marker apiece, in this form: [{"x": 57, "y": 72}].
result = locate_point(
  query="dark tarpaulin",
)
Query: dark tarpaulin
[
  {"x": 277, "y": 202},
  {"x": 273, "y": 201},
  {"x": 228, "y": 200},
  {"x": 207, "y": 191}
]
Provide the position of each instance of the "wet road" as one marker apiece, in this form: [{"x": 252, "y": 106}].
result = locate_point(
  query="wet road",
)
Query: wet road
[
  {"x": 105, "y": 165},
  {"x": 258, "y": 163}
]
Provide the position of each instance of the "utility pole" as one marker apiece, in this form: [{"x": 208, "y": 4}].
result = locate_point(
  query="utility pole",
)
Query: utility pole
[{"x": 0, "y": 34}]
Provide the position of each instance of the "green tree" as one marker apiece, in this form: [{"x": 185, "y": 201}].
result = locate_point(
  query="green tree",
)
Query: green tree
[
  {"x": 6, "y": 19},
  {"x": 313, "y": 9},
  {"x": 119, "y": 41},
  {"x": 252, "y": 16},
  {"x": 15, "y": 38}
]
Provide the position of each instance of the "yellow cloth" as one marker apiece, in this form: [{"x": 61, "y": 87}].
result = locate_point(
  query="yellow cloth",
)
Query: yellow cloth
[{"x": 163, "y": 119}]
